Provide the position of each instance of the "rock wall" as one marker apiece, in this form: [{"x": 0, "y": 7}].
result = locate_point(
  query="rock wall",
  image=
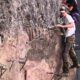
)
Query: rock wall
[{"x": 25, "y": 36}]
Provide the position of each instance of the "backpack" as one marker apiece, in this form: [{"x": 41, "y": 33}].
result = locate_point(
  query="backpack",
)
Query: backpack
[{"x": 75, "y": 15}]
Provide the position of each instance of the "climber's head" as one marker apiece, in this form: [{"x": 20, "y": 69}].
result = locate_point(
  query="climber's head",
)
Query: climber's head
[{"x": 63, "y": 10}]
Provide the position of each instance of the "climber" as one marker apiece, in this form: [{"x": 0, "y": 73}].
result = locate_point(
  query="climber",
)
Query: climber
[{"x": 70, "y": 39}]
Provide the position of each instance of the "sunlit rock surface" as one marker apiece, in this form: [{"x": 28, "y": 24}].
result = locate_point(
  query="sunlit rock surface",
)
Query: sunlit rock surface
[{"x": 24, "y": 25}]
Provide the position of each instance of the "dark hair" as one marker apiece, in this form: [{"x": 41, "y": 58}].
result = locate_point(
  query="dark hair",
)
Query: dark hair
[{"x": 72, "y": 3}]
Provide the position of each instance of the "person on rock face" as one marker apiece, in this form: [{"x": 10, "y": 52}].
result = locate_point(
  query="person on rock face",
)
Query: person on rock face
[
  {"x": 73, "y": 9},
  {"x": 69, "y": 40}
]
